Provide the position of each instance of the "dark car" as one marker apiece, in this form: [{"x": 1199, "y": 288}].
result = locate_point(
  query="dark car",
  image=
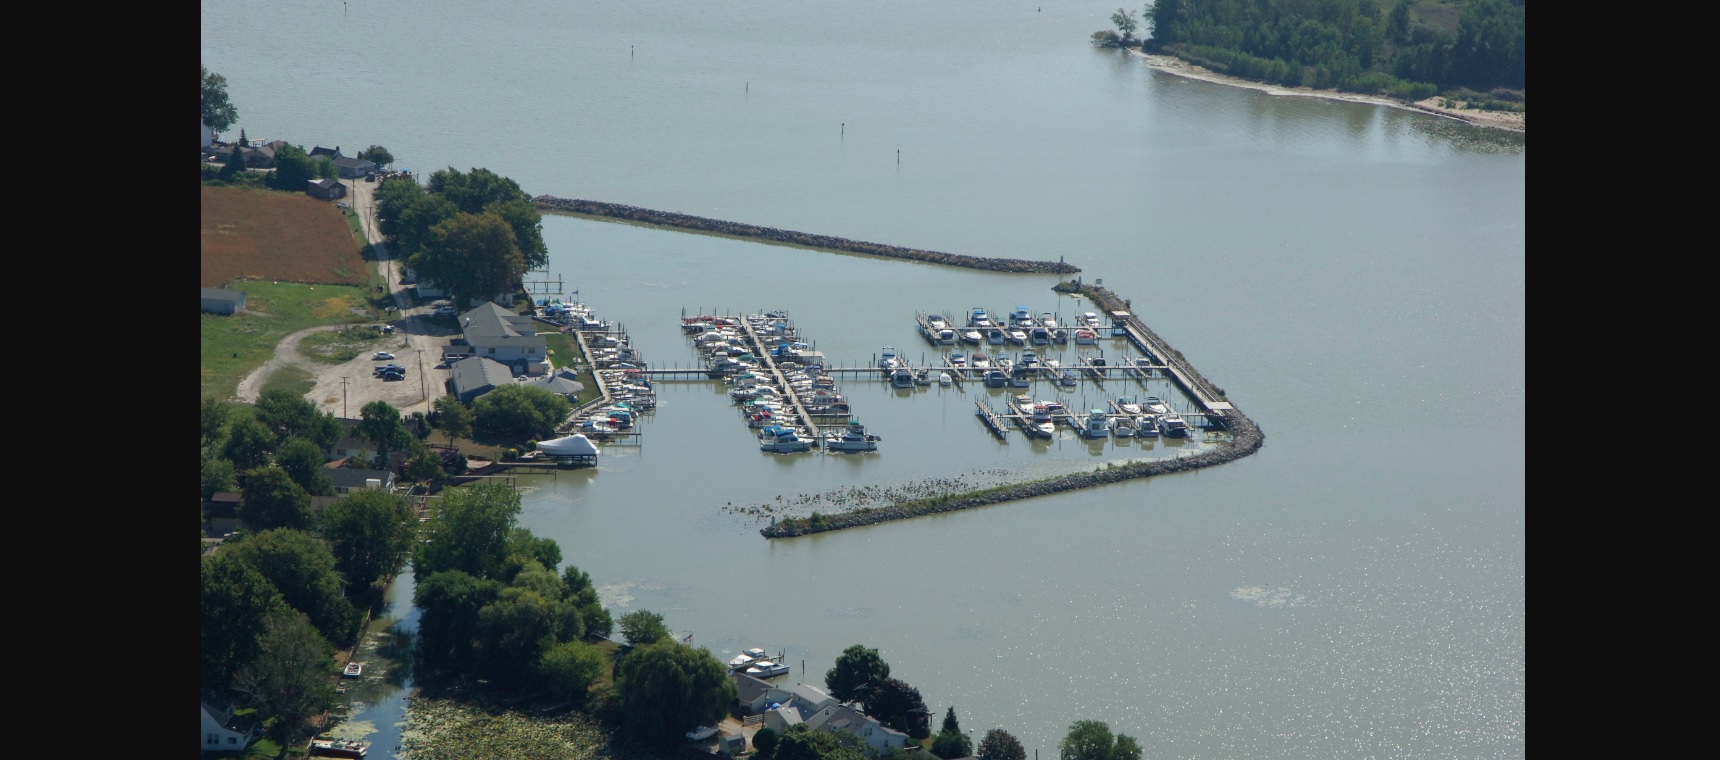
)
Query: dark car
[{"x": 392, "y": 374}]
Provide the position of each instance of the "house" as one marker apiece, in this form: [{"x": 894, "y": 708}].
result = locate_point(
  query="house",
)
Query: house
[
  {"x": 879, "y": 737},
  {"x": 221, "y": 513},
  {"x": 810, "y": 699},
  {"x": 475, "y": 377},
  {"x": 208, "y": 136},
  {"x": 346, "y": 480},
  {"x": 782, "y": 717},
  {"x": 496, "y": 333},
  {"x": 262, "y": 156},
  {"x": 222, "y": 731},
  {"x": 353, "y": 168},
  {"x": 326, "y": 189},
  {"x": 332, "y": 153},
  {"x": 350, "y": 444},
  {"x": 753, "y": 695},
  {"x": 223, "y": 301},
  {"x": 560, "y": 382}
]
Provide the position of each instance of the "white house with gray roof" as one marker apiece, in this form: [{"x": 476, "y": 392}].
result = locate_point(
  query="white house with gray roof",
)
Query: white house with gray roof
[
  {"x": 879, "y": 737},
  {"x": 503, "y": 336}
]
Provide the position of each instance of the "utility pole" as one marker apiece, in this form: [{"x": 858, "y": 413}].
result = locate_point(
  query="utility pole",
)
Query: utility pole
[
  {"x": 422, "y": 392},
  {"x": 343, "y": 379}
]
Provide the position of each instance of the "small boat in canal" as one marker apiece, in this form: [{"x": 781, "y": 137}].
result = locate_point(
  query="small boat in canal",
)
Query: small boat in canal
[
  {"x": 339, "y": 748},
  {"x": 1155, "y": 405},
  {"x": 744, "y": 659},
  {"x": 768, "y": 669},
  {"x": 888, "y": 360},
  {"x": 972, "y": 337},
  {"x": 1085, "y": 337},
  {"x": 996, "y": 379},
  {"x": 352, "y": 670},
  {"x": 1098, "y": 425}
]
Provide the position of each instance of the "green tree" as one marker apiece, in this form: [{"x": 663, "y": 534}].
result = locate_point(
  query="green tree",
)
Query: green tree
[
  {"x": 518, "y": 627},
  {"x": 999, "y": 744},
  {"x": 378, "y": 154},
  {"x": 568, "y": 670},
  {"x": 665, "y": 689},
  {"x": 273, "y": 500},
  {"x": 290, "y": 415},
  {"x": 218, "y": 475},
  {"x": 642, "y": 627},
  {"x": 524, "y": 548},
  {"x": 470, "y": 534},
  {"x": 236, "y": 603},
  {"x": 424, "y": 464},
  {"x": 474, "y": 190},
  {"x": 325, "y": 168},
  {"x": 234, "y": 166},
  {"x": 527, "y": 224},
  {"x": 951, "y": 725},
  {"x": 951, "y": 743},
  {"x": 579, "y": 591},
  {"x": 303, "y": 570},
  {"x": 765, "y": 742},
  {"x": 452, "y": 417},
  {"x": 303, "y": 462},
  {"x": 898, "y": 705},
  {"x": 1092, "y": 740},
  {"x": 520, "y": 411},
  {"x": 448, "y": 602},
  {"x": 248, "y": 444},
  {"x": 379, "y": 423},
  {"x": 1126, "y": 24},
  {"x": 855, "y": 668},
  {"x": 293, "y": 168},
  {"x": 218, "y": 110},
  {"x": 801, "y": 743},
  {"x": 369, "y": 533},
  {"x": 473, "y": 256},
  {"x": 289, "y": 680}
]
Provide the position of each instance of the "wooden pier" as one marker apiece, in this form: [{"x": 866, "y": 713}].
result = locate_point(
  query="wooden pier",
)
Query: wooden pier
[
  {"x": 992, "y": 420},
  {"x": 802, "y": 417}
]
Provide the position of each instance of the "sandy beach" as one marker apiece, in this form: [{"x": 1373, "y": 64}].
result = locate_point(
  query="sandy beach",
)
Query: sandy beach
[{"x": 1497, "y": 119}]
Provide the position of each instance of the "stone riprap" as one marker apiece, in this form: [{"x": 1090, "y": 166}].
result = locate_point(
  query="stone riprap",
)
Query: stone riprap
[{"x": 802, "y": 239}]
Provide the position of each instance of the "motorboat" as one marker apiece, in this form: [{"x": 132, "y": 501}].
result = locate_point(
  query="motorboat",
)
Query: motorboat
[
  {"x": 1059, "y": 335},
  {"x": 701, "y": 733},
  {"x": 768, "y": 669},
  {"x": 1068, "y": 379},
  {"x": 339, "y": 748},
  {"x": 744, "y": 659},
  {"x": 1004, "y": 363},
  {"x": 782, "y": 440},
  {"x": 1017, "y": 337},
  {"x": 1050, "y": 322},
  {"x": 922, "y": 376},
  {"x": 1124, "y": 427},
  {"x": 1173, "y": 426},
  {"x": 1155, "y": 405},
  {"x": 576, "y": 446},
  {"x": 1085, "y": 336},
  {"x": 972, "y": 337},
  {"x": 352, "y": 670},
  {"x": 1090, "y": 319},
  {"x": 888, "y": 359},
  {"x": 1098, "y": 425},
  {"x": 1052, "y": 407},
  {"x": 958, "y": 359},
  {"x": 1039, "y": 336},
  {"x": 1041, "y": 425},
  {"x": 996, "y": 379},
  {"x": 946, "y": 337},
  {"x": 1128, "y": 405},
  {"x": 1029, "y": 358},
  {"x": 995, "y": 336},
  {"x": 1021, "y": 317},
  {"x": 901, "y": 377},
  {"x": 937, "y": 321},
  {"x": 979, "y": 360},
  {"x": 1019, "y": 378},
  {"x": 978, "y": 318},
  {"x": 852, "y": 438},
  {"x": 1147, "y": 426}
]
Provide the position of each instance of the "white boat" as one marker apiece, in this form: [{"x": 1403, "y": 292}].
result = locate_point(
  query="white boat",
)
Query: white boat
[
  {"x": 978, "y": 318},
  {"x": 576, "y": 445},
  {"x": 852, "y": 438},
  {"x": 936, "y": 321},
  {"x": 352, "y": 670},
  {"x": 1050, "y": 322},
  {"x": 980, "y": 361},
  {"x": 782, "y": 440},
  {"x": 1019, "y": 378},
  {"x": 1017, "y": 337},
  {"x": 1098, "y": 425},
  {"x": 958, "y": 359},
  {"x": 1155, "y": 405},
  {"x": 1147, "y": 426},
  {"x": 946, "y": 337},
  {"x": 1090, "y": 318},
  {"x": 1173, "y": 426},
  {"x": 1004, "y": 363},
  {"x": 1022, "y": 317},
  {"x": 1029, "y": 358},
  {"x": 944, "y": 378},
  {"x": 701, "y": 733},
  {"x": 1068, "y": 379},
  {"x": 1128, "y": 405},
  {"x": 972, "y": 337},
  {"x": 767, "y": 669},
  {"x": 1041, "y": 425},
  {"x": 888, "y": 360},
  {"x": 1124, "y": 427}
]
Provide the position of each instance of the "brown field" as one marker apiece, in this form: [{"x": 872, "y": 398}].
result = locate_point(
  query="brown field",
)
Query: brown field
[{"x": 263, "y": 235}]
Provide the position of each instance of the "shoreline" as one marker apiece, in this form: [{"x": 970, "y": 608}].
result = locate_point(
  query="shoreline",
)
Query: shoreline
[{"x": 1170, "y": 64}]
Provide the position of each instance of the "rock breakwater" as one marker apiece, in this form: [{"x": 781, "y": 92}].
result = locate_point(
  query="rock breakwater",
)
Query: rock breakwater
[{"x": 802, "y": 239}]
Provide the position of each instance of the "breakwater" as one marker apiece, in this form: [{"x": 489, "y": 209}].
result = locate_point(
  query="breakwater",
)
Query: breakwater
[
  {"x": 802, "y": 239},
  {"x": 1246, "y": 439}
]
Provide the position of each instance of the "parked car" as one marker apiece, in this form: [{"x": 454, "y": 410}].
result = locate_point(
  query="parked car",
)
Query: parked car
[
  {"x": 446, "y": 311},
  {"x": 393, "y": 375},
  {"x": 380, "y": 355}
]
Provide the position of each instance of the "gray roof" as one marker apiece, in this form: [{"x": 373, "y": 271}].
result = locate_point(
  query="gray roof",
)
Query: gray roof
[
  {"x": 477, "y": 372},
  {"x": 223, "y": 294},
  {"x": 330, "y": 152},
  {"x": 325, "y": 183},
  {"x": 490, "y": 325},
  {"x": 748, "y": 688},
  {"x": 560, "y": 382},
  {"x": 353, "y": 478},
  {"x": 353, "y": 163}
]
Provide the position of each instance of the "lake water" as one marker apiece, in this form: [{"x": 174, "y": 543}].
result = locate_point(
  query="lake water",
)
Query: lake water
[{"x": 1352, "y": 276}]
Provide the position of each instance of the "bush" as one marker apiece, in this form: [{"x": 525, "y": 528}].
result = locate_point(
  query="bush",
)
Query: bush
[
  {"x": 511, "y": 454},
  {"x": 531, "y": 445}
]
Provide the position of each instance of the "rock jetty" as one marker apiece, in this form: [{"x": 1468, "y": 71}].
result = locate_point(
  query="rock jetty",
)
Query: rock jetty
[{"x": 802, "y": 239}]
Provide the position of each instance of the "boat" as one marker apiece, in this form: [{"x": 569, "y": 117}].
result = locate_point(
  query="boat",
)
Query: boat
[
  {"x": 1039, "y": 336},
  {"x": 888, "y": 360},
  {"x": 598, "y": 427},
  {"x": 742, "y": 660},
  {"x": 979, "y": 360},
  {"x": 1173, "y": 426},
  {"x": 1068, "y": 379},
  {"x": 1021, "y": 317},
  {"x": 1128, "y": 405},
  {"x": 1029, "y": 358},
  {"x": 1041, "y": 425},
  {"x": 782, "y": 440},
  {"x": 922, "y": 376},
  {"x": 1059, "y": 335},
  {"x": 339, "y": 748},
  {"x": 972, "y": 337},
  {"x": 852, "y": 438},
  {"x": 1052, "y": 407},
  {"x": 1050, "y": 322},
  {"x": 1155, "y": 405},
  {"x": 701, "y": 733},
  {"x": 1147, "y": 426},
  {"x": 1098, "y": 425},
  {"x": 1004, "y": 363},
  {"x": 1090, "y": 319},
  {"x": 1085, "y": 337},
  {"x": 768, "y": 669},
  {"x": 994, "y": 336},
  {"x": 944, "y": 378},
  {"x": 946, "y": 337},
  {"x": 996, "y": 379},
  {"x": 901, "y": 377},
  {"x": 978, "y": 318},
  {"x": 352, "y": 670},
  {"x": 576, "y": 446},
  {"x": 958, "y": 359},
  {"x": 1018, "y": 377},
  {"x": 1124, "y": 427},
  {"x": 936, "y": 321},
  {"x": 1017, "y": 337}
]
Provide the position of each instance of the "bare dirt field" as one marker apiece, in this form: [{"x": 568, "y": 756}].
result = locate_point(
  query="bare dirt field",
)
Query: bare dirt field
[{"x": 256, "y": 234}]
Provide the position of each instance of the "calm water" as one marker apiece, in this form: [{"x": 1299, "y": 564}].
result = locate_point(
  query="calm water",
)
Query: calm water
[{"x": 1352, "y": 276}]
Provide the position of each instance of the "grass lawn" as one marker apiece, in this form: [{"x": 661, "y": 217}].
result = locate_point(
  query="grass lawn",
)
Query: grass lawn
[
  {"x": 344, "y": 345},
  {"x": 233, "y": 345},
  {"x": 290, "y": 379}
]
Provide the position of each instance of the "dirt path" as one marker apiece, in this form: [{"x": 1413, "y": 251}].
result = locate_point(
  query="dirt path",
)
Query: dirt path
[{"x": 286, "y": 355}]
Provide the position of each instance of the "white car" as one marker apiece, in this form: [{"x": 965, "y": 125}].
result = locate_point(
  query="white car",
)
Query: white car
[{"x": 381, "y": 355}]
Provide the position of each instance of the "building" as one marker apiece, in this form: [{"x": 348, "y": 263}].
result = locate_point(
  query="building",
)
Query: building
[
  {"x": 326, "y": 189},
  {"x": 476, "y": 376},
  {"x": 223, "y": 301},
  {"x": 879, "y": 737},
  {"x": 262, "y": 156},
  {"x": 347, "y": 480},
  {"x": 208, "y": 136},
  {"x": 352, "y": 168},
  {"x": 221, "y": 513},
  {"x": 561, "y": 382},
  {"x": 332, "y": 153},
  {"x": 222, "y": 731},
  {"x": 496, "y": 333}
]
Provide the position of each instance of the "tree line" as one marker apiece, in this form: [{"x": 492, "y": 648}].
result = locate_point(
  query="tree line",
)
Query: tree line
[
  {"x": 1353, "y": 45},
  {"x": 473, "y": 233}
]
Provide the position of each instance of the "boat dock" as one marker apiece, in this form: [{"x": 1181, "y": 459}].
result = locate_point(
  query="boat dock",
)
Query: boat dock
[{"x": 992, "y": 420}]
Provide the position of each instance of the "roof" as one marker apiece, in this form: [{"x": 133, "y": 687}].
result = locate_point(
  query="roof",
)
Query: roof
[
  {"x": 490, "y": 325},
  {"x": 353, "y": 163},
  {"x": 330, "y": 152},
  {"x": 812, "y": 694},
  {"x": 325, "y": 183},
  {"x": 353, "y": 478},
  {"x": 477, "y": 373},
  {"x": 556, "y": 383},
  {"x": 748, "y": 688},
  {"x": 790, "y": 715},
  {"x": 223, "y": 294}
]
